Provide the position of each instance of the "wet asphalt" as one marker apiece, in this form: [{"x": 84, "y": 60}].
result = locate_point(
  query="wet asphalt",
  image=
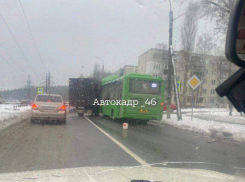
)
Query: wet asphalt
[{"x": 27, "y": 147}]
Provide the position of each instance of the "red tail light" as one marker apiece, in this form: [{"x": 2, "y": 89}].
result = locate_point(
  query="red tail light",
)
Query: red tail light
[
  {"x": 161, "y": 103},
  {"x": 63, "y": 108},
  {"x": 34, "y": 107}
]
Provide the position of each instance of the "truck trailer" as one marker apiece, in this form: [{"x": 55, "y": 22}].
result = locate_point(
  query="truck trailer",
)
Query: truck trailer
[{"x": 82, "y": 94}]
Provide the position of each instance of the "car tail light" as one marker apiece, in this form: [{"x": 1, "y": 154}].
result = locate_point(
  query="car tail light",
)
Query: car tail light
[
  {"x": 34, "y": 107},
  {"x": 63, "y": 108}
]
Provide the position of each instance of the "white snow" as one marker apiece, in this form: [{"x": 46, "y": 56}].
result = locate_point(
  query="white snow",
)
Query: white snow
[
  {"x": 210, "y": 121},
  {"x": 10, "y": 114}
]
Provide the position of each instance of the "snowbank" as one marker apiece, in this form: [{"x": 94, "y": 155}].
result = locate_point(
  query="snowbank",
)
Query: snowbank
[
  {"x": 10, "y": 114},
  {"x": 220, "y": 128}
]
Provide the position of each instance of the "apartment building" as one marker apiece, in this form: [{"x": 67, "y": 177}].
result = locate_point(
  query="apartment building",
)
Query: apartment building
[
  {"x": 211, "y": 70},
  {"x": 153, "y": 62},
  {"x": 127, "y": 69}
]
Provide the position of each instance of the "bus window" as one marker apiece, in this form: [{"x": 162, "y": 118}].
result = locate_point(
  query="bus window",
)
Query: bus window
[{"x": 144, "y": 87}]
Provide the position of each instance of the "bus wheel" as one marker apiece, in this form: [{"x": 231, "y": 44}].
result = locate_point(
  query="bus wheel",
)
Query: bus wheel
[
  {"x": 144, "y": 122},
  {"x": 102, "y": 113},
  {"x": 112, "y": 115}
]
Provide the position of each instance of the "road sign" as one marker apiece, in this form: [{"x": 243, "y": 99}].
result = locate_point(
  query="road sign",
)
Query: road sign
[
  {"x": 40, "y": 90},
  {"x": 178, "y": 86},
  {"x": 194, "y": 82}
]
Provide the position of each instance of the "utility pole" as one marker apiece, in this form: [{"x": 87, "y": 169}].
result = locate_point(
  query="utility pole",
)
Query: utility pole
[
  {"x": 176, "y": 92},
  {"x": 170, "y": 68},
  {"x": 46, "y": 84},
  {"x": 49, "y": 82},
  {"x": 28, "y": 87}
]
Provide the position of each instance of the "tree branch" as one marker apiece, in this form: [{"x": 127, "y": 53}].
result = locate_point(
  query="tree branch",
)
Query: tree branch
[
  {"x": 225, "y": 3},
  {"x": 225, "y": 9}
]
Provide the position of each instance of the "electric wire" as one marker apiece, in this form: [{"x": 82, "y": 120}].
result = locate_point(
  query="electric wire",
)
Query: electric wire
[
  {"x": 12, "y": 67},
  {"x": 18, "y": 45},
  {"x": 32, "y": 36}
]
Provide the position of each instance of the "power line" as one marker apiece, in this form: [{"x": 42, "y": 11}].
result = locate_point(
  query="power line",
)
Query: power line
[
  {"x": 11, "y": 66},
  {"x": 12, "y": 59},
  {"x": 18, "y": 45},
  {"x": 32, "y": 36}
]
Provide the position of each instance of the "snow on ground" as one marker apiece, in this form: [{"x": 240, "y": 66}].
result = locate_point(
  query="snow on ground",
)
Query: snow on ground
[
  {"x": 10, "y": 114},
  {"x": 215, "y": 122},
  {"x": 205, "y": 110},
  {"x": 219, "y": 115}
]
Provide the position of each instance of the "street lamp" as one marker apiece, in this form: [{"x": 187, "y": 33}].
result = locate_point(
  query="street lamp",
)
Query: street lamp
[{"x": 102, "y": 64}]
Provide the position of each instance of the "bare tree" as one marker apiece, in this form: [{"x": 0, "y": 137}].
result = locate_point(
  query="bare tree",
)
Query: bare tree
[
  {"x": 97, "y": 72},
  {"x": 188, "y": 36},
  {"x": 220, "y": 66},
  {"x": 222, "y": 69},
  {"x": 203, "y": 48},
  {"x": 219, "y": 11},
  {"x": 205, "y": 44}
]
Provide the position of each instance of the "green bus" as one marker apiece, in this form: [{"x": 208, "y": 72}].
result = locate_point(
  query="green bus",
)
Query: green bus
[{"x": 147, "y": 90}]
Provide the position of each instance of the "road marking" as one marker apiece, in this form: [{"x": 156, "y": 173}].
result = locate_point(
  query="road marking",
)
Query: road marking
[{"x": 137, "y": 158}]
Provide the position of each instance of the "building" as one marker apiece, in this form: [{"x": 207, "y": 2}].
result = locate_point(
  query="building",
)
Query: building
[
  {"x": 153, "y": 62},
  {"x": 127, "y": 69},
  {"x": 211, "y": 70}
]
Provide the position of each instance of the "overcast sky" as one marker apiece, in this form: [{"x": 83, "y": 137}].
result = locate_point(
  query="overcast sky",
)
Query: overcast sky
[{"x": 69, "y": 35}]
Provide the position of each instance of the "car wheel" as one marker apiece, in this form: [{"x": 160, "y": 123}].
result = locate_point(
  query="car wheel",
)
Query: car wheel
[
  {"x": 64, "y": 121},
  {"x": 32, "y": 121}
]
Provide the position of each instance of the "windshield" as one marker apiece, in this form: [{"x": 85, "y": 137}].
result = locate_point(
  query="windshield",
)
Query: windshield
[
  {"x": 144, "y": 87},
  {"x": 118, "y": 83},
  {"x": 48, "y": 98}
]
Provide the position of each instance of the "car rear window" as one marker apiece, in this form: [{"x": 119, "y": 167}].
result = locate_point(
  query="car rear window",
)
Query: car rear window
[{"x": 48, "y": 98}]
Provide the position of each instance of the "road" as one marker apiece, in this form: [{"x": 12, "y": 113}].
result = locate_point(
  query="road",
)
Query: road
[{"x": 80, "y": 143}]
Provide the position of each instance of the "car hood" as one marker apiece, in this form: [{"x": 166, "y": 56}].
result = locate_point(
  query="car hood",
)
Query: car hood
[{"x": 121, "y": 174}]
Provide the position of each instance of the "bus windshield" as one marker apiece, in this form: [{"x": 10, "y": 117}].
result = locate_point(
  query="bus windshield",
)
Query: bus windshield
[{"x": 144, "y": 87}]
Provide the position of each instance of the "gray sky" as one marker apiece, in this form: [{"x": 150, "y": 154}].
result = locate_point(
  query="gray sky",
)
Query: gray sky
[{"x": 71, "y": 33}]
